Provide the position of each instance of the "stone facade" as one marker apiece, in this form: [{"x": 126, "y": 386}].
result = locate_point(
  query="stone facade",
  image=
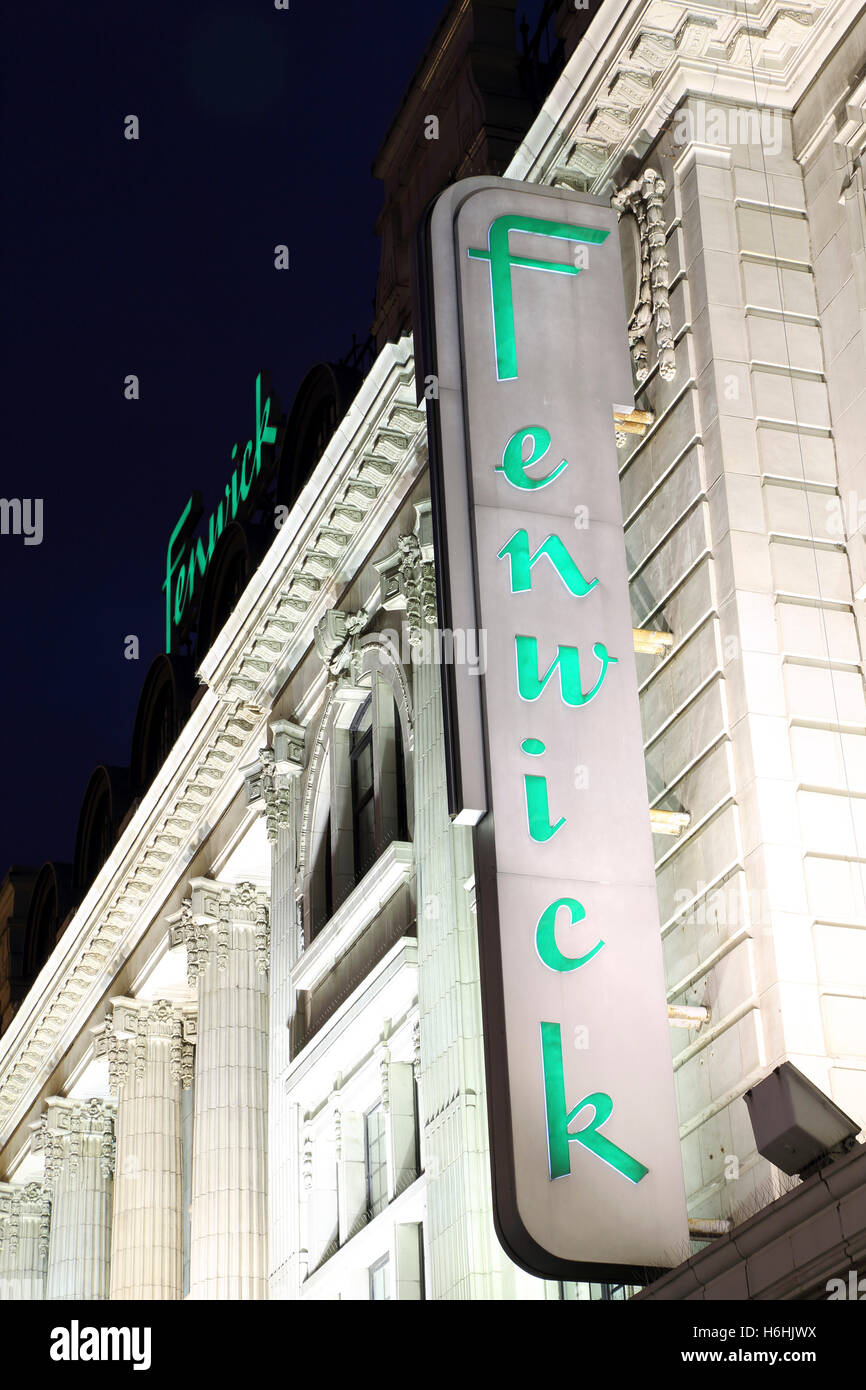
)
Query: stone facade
[{"x": 286, "y": 1096}]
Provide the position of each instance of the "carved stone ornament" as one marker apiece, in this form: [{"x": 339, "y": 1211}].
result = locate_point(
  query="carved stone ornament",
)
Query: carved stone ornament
[
  {"x": 130, "y": 1022},
  {"x": 643, "y": 198}
]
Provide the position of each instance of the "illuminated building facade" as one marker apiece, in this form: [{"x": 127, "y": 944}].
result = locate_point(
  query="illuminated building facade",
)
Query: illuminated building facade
[{"x": 249, "y": 1063}]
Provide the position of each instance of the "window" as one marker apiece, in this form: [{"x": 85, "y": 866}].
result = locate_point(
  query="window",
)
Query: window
[
  {"x": 379, "y": 1280},
  {"x": 376, "y": 1161},
  {"x": 363, "y": 789},
  {"x": 322, "y": 884},
  {"x": 363, "y": 799}
]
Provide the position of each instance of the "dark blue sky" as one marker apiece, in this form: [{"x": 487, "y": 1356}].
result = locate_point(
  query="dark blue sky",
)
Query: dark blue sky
[{"x": 155, "y": 257}]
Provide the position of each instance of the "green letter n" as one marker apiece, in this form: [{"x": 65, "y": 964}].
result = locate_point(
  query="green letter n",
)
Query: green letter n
[
  {"x": 517, "y": 550},
  {"x": 501, "y": 260}
]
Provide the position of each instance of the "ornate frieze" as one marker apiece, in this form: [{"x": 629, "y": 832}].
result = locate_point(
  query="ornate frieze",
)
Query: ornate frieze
[{"x": 669, "y": 50}]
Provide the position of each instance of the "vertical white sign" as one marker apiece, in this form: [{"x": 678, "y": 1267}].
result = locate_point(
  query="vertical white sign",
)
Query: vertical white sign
[{"x": 527, "y": 351}]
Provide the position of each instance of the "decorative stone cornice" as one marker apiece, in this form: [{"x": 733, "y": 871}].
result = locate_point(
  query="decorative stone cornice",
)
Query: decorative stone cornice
[
  {"x": 130, "y": 1024},
  {"x": 64, "y": 1130},
  {"x": 375, "y": 455},
  {"x": 19, "y": 1204},
  {"x": 100, "y": 937},
  {"x": 641, "y": 59},
  {"x": 217, "y": 918},
  {"x": 643, "y": 198}
]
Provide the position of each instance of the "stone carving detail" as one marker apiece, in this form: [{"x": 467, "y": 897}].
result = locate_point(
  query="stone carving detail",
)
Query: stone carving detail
[
  {"x": 418, "y": 582},
  {"x": 276, "y": 794},
  {"x": 19, "y": 1204},
  {"x": 62, "y": 1135},
  {"x": 385, "y": 1078},
  {"x": 336, "y": 640},
  {"x": 195, "y": 937},
  {"x": 129, "y": 1022},
  {"x": 416, "y": 1051},
  {"x": 221, "y": 910},
  {"x": 307, "y": 1161},
  {"x": 643, "y": 198}
]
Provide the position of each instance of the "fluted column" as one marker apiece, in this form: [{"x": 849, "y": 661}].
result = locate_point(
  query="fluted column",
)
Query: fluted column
[
  {"x": 77, "y": 1139},
  {"x": 25, "y": 1214},
  {"x": 150, "y": 1060},
  {"x": 228, "y": 942}
]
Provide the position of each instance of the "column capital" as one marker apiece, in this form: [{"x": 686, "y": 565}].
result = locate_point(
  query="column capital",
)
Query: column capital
[
  {"x": 137, "y": 1021},
  {"x": 62, "y": 1132},
  {"x": 269, "y": 782},
  {"x": 19, "y": 1203},
  {"x": 407, "y": 578},
  {"x": 219, "y": 917}
]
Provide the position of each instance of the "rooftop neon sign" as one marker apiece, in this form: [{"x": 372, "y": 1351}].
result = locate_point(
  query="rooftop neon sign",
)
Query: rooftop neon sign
[{"x": 187, "y": 556}]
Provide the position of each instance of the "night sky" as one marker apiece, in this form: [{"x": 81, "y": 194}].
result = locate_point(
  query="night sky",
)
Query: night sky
[{"x": 155, "y": 257}]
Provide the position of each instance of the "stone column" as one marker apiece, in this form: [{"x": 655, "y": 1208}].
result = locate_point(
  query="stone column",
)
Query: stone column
[
  {"x": 272, "y": 786},
  {"x": 77, "y": 1139},
  {"x": 25, "y": 1214},
  {"x": 228, "y": 942},
  {"x": 150, "y": 1060}
]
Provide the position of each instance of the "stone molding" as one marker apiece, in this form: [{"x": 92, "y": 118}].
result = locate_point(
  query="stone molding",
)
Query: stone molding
[{"x": 639, "y": 62}]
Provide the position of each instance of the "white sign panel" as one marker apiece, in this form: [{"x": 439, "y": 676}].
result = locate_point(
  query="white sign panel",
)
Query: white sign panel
[{"x": 527, "y": 342}]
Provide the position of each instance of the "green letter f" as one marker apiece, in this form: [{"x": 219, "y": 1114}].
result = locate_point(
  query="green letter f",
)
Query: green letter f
[{"x": 501, "y": 260}]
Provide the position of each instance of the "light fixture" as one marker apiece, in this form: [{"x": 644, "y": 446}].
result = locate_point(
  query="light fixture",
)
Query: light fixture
[{"x": 796, "y": 1127}]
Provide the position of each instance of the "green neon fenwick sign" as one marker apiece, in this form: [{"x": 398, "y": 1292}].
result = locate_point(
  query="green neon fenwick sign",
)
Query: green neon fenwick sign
[
  {"x": 544, "y": 753},
  {"x": 531, "y": 684},
  {"x": 187, "y": 558}
]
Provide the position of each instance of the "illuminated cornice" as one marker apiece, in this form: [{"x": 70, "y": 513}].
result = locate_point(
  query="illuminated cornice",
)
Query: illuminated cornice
[
  {"x": 638, "y": 61},
  {"x": 361, "y": 480}
]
